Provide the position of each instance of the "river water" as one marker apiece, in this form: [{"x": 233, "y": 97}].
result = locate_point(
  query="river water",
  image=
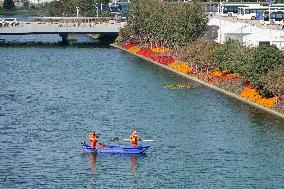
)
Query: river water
[{"x": 51, "y": 97}]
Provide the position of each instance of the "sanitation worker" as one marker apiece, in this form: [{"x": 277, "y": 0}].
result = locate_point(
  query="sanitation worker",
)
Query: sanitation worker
[
  {"x": 134, "y": 138},
  {"x": 93, "y": 139}
]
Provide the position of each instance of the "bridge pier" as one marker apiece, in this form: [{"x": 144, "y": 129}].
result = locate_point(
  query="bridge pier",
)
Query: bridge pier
[{"x": 68, "y": 38}]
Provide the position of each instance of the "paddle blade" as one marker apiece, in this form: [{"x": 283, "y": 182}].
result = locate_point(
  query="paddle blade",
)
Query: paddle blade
[
  {"x": 141, "y": 140},
  {"x": 147, "y": 140}
]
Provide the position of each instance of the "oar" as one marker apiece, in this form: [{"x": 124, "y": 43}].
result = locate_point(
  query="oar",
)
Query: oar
[
  {"x": 99, "y": 142},
  {"x": 115, "y": 139},
  {"x": 102, "y": 144},
  {"x": 141, "y": 140}
]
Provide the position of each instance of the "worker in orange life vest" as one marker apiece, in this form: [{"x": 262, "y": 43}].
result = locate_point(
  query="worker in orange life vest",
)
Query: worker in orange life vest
[
  {"x": 134, "y": 138},
  {"x": 93, "y": 139}
]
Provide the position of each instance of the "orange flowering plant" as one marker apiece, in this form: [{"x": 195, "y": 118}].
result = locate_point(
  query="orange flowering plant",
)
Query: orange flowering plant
[
  {"x": 180, "y": 66},
  {"x": 251, "y": 94}
]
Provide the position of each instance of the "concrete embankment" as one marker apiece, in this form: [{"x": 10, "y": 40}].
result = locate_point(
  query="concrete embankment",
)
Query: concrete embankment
[{"x": 207, "y": 85}]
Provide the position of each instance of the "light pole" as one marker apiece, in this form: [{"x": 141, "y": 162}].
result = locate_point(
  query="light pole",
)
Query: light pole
[
  {"x": 220, "y": 21},
  {"x": 77, "y": 10},
  {"x": 210, "y": 8},
  {"x": 269, "y": 18},
  {"x": 97, "y": 6}
]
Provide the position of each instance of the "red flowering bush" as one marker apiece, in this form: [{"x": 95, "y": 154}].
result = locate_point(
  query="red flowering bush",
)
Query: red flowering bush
[
  {"x": 146, "y": 52},
  {"x": 128, "y": 45},
  {"x": 166, "y": 60}
]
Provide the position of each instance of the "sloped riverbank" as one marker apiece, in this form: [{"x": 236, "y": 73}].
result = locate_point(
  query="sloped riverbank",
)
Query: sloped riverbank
[{"x": 268, "y": 110}]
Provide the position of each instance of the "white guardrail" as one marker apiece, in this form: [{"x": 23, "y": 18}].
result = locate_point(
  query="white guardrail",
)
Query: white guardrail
[{"x": 58, "y": 27}]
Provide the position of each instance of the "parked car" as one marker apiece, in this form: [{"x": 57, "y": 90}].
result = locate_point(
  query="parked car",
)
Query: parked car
[
  {"x": 115, "y": 7},
  {"x": 118, "y": 16},
  {"x": 1, "y": 22},
  {"x": 124, "y": 6},
  {"x": 11, "y": 21}
]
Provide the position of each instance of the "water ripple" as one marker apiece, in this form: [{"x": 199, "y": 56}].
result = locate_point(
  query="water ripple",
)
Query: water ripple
[{"x": 51, "y": 98}]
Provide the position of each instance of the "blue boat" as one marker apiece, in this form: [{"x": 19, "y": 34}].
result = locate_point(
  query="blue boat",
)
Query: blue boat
[{"x": 116, "y": 149}]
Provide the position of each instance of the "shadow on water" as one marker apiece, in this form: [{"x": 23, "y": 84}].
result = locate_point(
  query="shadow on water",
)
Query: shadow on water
[
  {"x": 55, "y": 44},
  {"x": 261, "y": 116},
  {"x": 270, "y": 125},
  {"x": 52, "y": 40}
]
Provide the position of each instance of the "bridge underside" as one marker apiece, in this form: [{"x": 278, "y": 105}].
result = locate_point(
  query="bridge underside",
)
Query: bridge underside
[{"x": 70, "y": 38}]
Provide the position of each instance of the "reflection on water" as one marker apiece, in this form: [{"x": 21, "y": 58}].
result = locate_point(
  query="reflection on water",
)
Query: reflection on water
[
  {"x": 43, "y": 39},
  {"x": 133, "y": 163},
  {"x": 92, "y": 161},
  {"x": 263, "y": 119},
  {"x": 133, "y": 166},
  {"x": 92, "y": 176}
]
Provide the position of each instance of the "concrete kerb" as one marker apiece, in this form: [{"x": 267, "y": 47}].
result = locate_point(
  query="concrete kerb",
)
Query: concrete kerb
[{"x": 207, "y": 84}]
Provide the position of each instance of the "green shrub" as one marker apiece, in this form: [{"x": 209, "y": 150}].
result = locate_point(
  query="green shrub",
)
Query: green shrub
[
  {"x": 118, "y": 40},
  {"x": 264, "y": 58},
  {"x": 273, "y": 80},
  {"x": 233, "y": 56}
]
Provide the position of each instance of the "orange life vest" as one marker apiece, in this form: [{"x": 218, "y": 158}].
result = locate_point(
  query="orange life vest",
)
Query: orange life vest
[
  {"x": 93, "y": 140},
  {"x": 134, "y": 139}
]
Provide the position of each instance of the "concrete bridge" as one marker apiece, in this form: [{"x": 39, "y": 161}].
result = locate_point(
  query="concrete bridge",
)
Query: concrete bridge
[{"x": 66, "y": 27}]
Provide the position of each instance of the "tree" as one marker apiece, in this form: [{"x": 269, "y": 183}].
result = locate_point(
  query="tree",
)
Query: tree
[
  {"x": 68, "y": 7},
  {"x": 55, "y": 8},
  {"x": 126, "y": 33},
  {"x": 26, "y": 4},
  {"x": 104, "y": 13},
  {"x": 102, "y": 1},
  {"x": 264, "y": 58},
  {"x": 200, "y": 53},
  {"x": 135, "y": 18},
  {"x": 233, "y": 56},
  {"x": 8, "y": 4},
  {"x": 273, "y": 80},
  {"x": 173, "y": 25},
  {"x": 190, "y": 23},
  {"x": 87, "y": 7}
]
